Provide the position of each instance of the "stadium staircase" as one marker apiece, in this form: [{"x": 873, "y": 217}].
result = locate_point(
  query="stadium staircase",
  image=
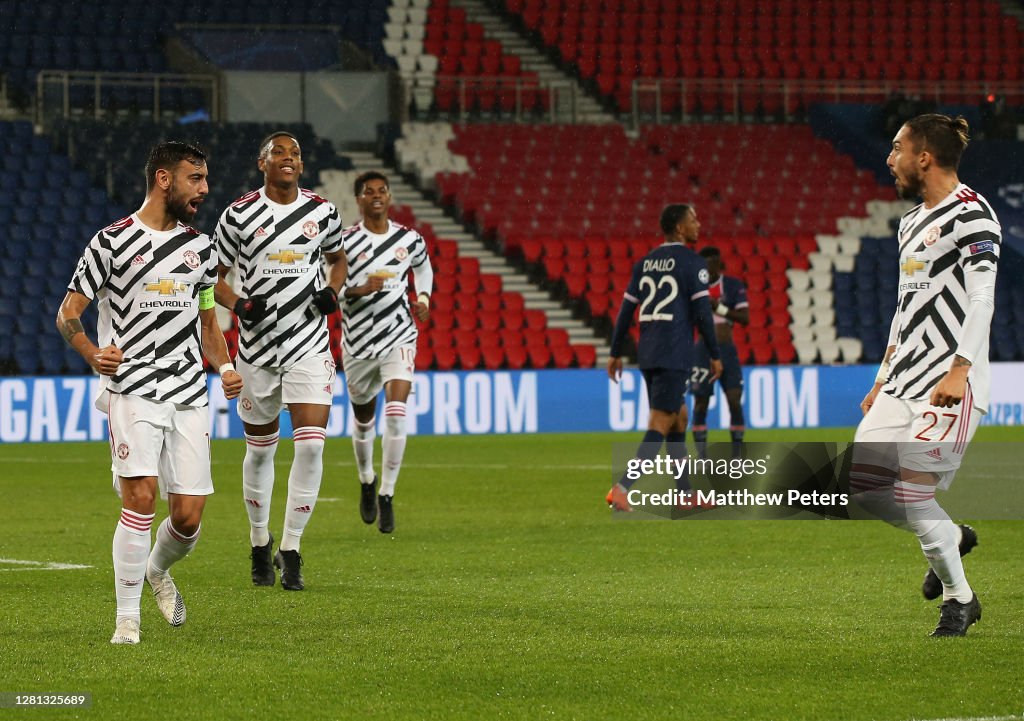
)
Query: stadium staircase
[{"x": 447, "y": 47}]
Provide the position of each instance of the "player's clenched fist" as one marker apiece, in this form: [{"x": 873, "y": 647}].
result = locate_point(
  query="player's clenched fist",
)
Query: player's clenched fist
[
  {"x": 231, "y": 382},
  {"x": 107, "y": 360}
]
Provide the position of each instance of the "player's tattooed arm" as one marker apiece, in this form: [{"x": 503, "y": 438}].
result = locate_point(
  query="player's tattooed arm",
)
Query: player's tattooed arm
[
  {"x": 961, "y": 362},
  {"x": 69, "y": 328},
  {"x": 69, "y": 320}
]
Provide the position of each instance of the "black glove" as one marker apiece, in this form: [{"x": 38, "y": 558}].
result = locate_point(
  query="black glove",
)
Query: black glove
[
  {"x": 326, "y": 300},
  {"x": 251, "y": 310}
]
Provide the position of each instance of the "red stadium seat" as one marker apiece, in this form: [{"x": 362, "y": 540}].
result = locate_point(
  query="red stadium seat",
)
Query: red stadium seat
[
  {"x": 513, "y": 319},
  {"x": 424, "y": 358},
  {"x": 540, "y": 355},
  {"x": 489, "y": 320},
  {"x": 586, "y": 355},
  {"x": 493, "y": 357},
  {"x": 536, "y": 319},
  {"x": 562, "y": 356},
  {"x": 445, "y": 358},
  {"x": 469, "y": 357},
  {"x": 442, "y": 320},
  {"x": 512, "y": 301},
  {"x": 516, "y": 357}
]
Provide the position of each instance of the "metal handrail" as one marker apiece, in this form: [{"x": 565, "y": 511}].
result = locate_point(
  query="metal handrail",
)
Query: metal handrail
[
  {"x": 104, "y": 79},
  {"x": 837, "y": 91},
  {"x": 555, "y": 90}
]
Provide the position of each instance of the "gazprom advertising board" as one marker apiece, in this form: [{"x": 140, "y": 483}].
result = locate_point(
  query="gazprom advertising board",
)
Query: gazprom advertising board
[{"x": 476, "y": 402}]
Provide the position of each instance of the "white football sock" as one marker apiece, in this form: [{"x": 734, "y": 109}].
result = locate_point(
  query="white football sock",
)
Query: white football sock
[
  {"x": 130, "y": 551},
  {"x": 939, "y": 538},
  {"x": 363, "y": 436},
  {"x": 303, "y": 483},
  {"x": 258, "y": 484},
  {"x": 170, "y": 547},
  {"x": 393, "y": 446}
]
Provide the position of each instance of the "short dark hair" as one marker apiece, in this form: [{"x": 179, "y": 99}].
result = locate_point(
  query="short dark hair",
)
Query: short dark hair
[
  {"x": 944, "y": 137},
  {"x": 366, "y": 177},
  {"x": 672, "y": 216},
  {"x": 710, "y": 252},
  {"x": 167, "y": 155},
  {"x": 276, "y": 134}
]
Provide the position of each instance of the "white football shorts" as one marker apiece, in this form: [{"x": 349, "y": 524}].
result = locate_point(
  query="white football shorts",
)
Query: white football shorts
[
  {"x": 166, "y": 440},
  {"x": 917, "y": 435},
  {"x": 268, "y": 390},
  {"x": 365, "y": 377}
]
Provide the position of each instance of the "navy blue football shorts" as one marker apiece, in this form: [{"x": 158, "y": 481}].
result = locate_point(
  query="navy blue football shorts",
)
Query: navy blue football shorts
[
  {"x": 700, "y": 378},
  {"x": 665, "y": 388}
]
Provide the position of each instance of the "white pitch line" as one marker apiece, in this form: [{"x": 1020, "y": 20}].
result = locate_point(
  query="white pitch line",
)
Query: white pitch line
[
  {"x": 39, "y": 565},
  {"x": 344, "y": 464},
  {"x": 976, "y": 718}
]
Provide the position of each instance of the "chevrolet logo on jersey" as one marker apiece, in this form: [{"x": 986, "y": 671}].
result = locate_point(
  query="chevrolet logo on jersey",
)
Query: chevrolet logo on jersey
[
  {"x": 286, "y": 257},
  {"x": 166, "y": 286},
  {"x": 912, "y": 266}
]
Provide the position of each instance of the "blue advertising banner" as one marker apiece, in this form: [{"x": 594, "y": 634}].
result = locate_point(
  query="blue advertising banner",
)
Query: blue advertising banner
[{"x": 475, "y": 402}]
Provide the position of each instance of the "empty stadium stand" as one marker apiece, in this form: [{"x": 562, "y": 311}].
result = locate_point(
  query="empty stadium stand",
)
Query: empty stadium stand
[
  {"x": 803, "y": 213},
  {"x": 578, "y": 205},
  {"x": 48, "y": 211},
  {"x": 609, "y": 43},
  {"x": 45, "y": 35}
]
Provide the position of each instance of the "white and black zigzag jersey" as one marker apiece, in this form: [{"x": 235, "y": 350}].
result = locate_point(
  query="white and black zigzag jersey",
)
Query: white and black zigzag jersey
[
  {"x": 146, "y": 283},
  {"x": 278, "y": 250},
  {"x": 941, "y": 252},
  {"x": 375, "y": 324}
]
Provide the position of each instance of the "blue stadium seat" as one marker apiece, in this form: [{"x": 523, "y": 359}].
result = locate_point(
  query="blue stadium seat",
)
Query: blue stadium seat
[
  {"x": 96, "y": 215},
  {"x": 70, "y": 213},
  {"x": 79, "y": 180}
]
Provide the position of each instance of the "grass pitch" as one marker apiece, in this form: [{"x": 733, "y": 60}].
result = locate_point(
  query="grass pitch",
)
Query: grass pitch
[{"x": 505, "y": 592}]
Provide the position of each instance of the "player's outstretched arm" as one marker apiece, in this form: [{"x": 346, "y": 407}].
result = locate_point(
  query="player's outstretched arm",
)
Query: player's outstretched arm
[
  {"x": 104, "y": 361},
  {"x": 215, "y": 348}
]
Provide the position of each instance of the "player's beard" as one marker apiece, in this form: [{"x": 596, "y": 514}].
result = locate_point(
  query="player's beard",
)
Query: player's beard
[
  {"x": 909, "y": 189},
  {"x": 178, "y": 207}
]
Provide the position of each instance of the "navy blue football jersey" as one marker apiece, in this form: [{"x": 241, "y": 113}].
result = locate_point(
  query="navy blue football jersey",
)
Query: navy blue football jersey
[
  {"x": 670, "y": 285},
  {"x": 730, "y": 291}
]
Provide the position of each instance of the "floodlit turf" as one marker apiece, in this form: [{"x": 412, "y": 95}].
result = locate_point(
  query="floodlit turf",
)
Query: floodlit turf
[{"x": 506, "y": 592}]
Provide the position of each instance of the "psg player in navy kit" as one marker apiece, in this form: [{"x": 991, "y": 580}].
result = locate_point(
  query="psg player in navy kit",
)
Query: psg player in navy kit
[
  {"x": 729, "y": 303},
  {"x": 670, "y": 285}
]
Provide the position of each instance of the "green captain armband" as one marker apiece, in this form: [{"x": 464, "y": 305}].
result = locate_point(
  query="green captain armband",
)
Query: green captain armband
[{"x": 206, "y": 298}]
